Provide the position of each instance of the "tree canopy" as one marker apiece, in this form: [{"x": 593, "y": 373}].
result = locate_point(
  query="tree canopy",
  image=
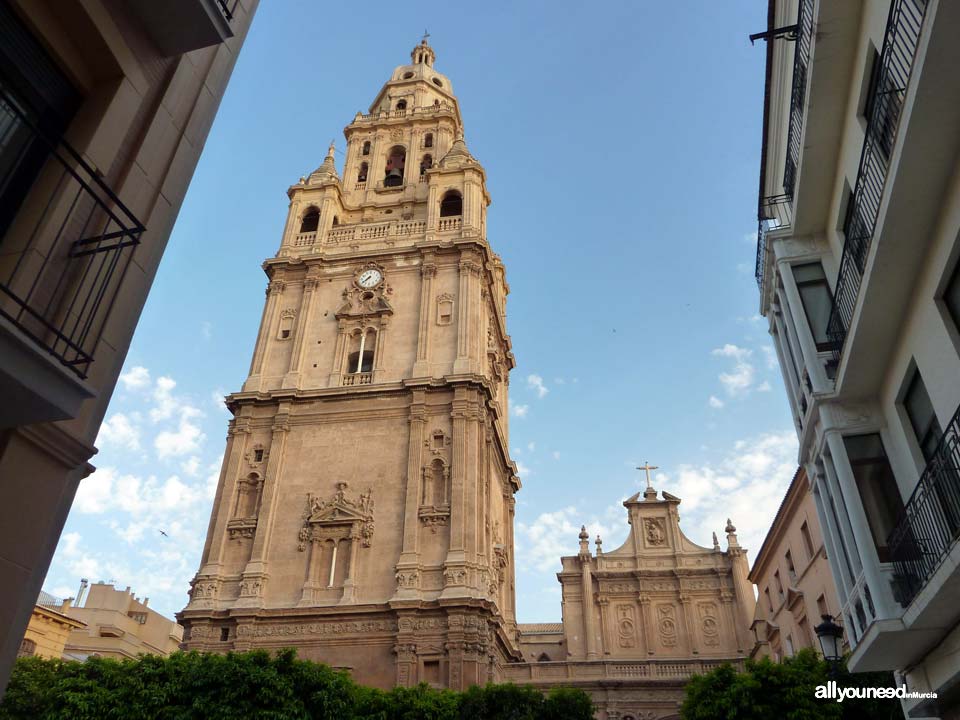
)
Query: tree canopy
[
  {"x": 256, "y": 685},
  {"x": 785, "y": 690}
]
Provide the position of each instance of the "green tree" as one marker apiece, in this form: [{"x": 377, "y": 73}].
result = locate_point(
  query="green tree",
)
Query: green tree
[
  {"x": 254, "y": 685},
  {"x": 783, "y": 690}
]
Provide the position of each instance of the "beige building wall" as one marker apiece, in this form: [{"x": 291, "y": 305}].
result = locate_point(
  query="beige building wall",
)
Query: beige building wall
[
  {"x": 640, "y": 619},
  {"x": 792, "y": 577},
  {"x": 364, "y": 512},
  {"x": 48, "y": 629},
  {"x": 858, "y": 266},
  {"x": 120, "y": 625},
  {"x": 126, "y": 92}
]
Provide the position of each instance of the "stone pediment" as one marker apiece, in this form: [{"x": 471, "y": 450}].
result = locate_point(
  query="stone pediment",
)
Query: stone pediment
[{"x": 338, "y": 513}]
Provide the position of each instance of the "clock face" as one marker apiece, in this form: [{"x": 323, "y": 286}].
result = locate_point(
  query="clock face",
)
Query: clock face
[{"x": 370, "y": 278}]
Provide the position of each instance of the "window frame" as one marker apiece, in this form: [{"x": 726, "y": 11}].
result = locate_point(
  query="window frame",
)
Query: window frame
[{"x": 824, "y": 345}]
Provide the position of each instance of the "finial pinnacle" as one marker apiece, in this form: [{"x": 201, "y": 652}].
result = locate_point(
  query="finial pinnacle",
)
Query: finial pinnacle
[{"x": 423, "y": 40}]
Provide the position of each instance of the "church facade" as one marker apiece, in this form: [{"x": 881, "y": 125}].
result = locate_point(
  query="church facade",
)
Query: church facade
[{"x": 365, "y": 508}]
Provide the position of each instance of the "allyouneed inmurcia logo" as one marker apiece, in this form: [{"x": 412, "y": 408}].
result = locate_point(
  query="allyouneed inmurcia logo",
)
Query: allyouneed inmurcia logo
[{"x": 831, "y": 691}]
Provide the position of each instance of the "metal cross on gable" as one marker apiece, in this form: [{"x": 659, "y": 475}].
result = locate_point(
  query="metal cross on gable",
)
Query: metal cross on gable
[
  {"x": 648, "y": 467},
  {"x": 425, "y": 35}
]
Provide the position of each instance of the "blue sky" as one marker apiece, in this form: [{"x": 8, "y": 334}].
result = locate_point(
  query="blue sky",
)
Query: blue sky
[{"x": 621, "y": 142}]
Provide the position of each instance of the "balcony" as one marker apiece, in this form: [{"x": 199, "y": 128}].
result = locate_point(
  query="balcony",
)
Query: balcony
[
  {"x": 775, "y": 213},
  {"x": 353, "y": 379},
  {"x": 887, "y": 91},
  {"x": 179, "y": 26},
  {"x": 931, "y": 521},
  {"x": 925, "y": 558},
  {"x": 63, "y": 256},
  {"x": 444, "y": 108},
  {"x": 801, "y": 59}
]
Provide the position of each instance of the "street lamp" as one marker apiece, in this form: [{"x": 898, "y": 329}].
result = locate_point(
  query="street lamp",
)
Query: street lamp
[{"x": 830, "y": 636}]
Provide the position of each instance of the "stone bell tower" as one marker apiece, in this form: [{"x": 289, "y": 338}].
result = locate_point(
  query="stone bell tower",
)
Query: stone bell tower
[{"x": 364, "y": 512}]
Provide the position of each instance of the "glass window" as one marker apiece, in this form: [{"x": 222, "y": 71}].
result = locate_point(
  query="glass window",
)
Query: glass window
[
  {"x": 807, "y": 540},
  {"x": 877, "y": 487},
  {"x": 816, "y": 299},
  {"x": 952, "y": 296},
  {"x": 924, "y": 421}
]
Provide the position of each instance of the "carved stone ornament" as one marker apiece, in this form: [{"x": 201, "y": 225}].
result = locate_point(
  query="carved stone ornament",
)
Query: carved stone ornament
[
  {"x": 255, "y": 452},
  {"x": 654, "y": 532},
  {"x": 242, "y": 528},
  {"x": 338, "y": 515},
  {"x": 288, "y": 313},
  {"x": 365, "y": 302},
  {"x": 667, "y": 625},
  {"x": 709, "y": 625}
]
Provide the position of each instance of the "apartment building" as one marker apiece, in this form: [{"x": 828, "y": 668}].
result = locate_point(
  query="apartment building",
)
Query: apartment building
[
  {"x": 792, "y": 576},
  {"x": 857, "y": 265},
  {"x": 105, "y": 106},
  {"x": 49, "y": 627},
  {"x": 116, "y": 623}
]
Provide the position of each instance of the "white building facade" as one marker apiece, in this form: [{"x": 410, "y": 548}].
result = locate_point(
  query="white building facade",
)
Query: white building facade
[{"x": 857, "y": 264}]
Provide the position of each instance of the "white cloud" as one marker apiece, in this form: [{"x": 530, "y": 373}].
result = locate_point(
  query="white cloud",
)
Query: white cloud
[
  {"x": 519, "y": 411},
  {"x": 536, "y": 382},
  {"x": 559, "y": 381},
  {"x": 556, "y": 454},
  {"x": 531, "y": 446},
  {"x": 552, "y": 535},
  {"x": 166, "y": 405},
  {"x": 206, "y": 329},
  {"x": 770, "y": 356},
  {"x": 120, "y": 430},
  {"x": 715, "y": 402},
  {"x": 764, "y": 386},
  {"x": 191, "y": 466},
  {"x": 184, "y": 441},
  {"x": 746, "y": 485},
  {"x": 737, "y": 381},
  {"x": 522, "y": 470},
  {"x": 136, "y": 378},
  {"x": 70, "y": 544},
  {"x": 95, "y": 491}
]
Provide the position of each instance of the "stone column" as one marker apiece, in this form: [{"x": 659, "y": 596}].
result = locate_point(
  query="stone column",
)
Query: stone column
[
  {"x": 454, "y": 567},
  {"x": 466, "y": 317},
  {"x": 647, "y": 621},
  {"x": 860, "y": 525},
  {"x": 274, "y": 290},
  {"x": 257, "y": 567},
  {"x": 428, "y": 271},
  {"x": 292, "y": 379},
  {"x": 606, "y": 641},
  {"x": 237, "y": 437},
  {"x": 349, "y": 595},
  {"x": 336, "y": 372},
  {"x": 380, "y": 352},
  {"x": 315, "y": 550},
  {"x": 690, "y": 621}
]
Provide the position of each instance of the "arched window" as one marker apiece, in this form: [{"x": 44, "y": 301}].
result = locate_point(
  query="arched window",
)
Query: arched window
[
  {"x": 451, "y": 205},
  {"x": 543, "y": 658},
  {"x": 402, "y": 105},
  {"x": 336, "y": 221},
  {"x": 426, "y": 163},
  {"x": 363, "y": 346},
  {"x": 428, "y": 140},
  {"x": 366, "y": 148},
  {"x": 310, "y": 221},
  {"x": 28, "y": 648},
  {"x": 362, "y": 173},
  {"x": 393, "y": 171}
]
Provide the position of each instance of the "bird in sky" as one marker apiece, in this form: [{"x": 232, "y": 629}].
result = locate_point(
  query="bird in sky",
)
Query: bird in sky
[{"x": 163, "y": 533}]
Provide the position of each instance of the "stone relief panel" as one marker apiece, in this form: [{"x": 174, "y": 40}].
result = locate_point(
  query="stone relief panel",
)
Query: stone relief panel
[
  {"x": 667, "y": 625},
  {"x": 709, "y": 625},
  {"x": 654, "y": 532},
  {"x": 626, "y": 626}
]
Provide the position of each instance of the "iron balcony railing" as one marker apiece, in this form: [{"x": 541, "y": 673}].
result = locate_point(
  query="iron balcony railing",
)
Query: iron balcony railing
[
  {"x": 887, "y": 91},
  {"x": 228, "y": 8},
  {"x": 65, "y": 252},
  {"x": 930, "y": 523},
  {"x": 775, "y": 213},
  {"x": 801, "y": 58}
]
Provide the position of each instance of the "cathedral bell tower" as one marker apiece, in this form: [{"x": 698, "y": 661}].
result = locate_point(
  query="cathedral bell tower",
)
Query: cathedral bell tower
[{"x": 364, "y": 512}]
